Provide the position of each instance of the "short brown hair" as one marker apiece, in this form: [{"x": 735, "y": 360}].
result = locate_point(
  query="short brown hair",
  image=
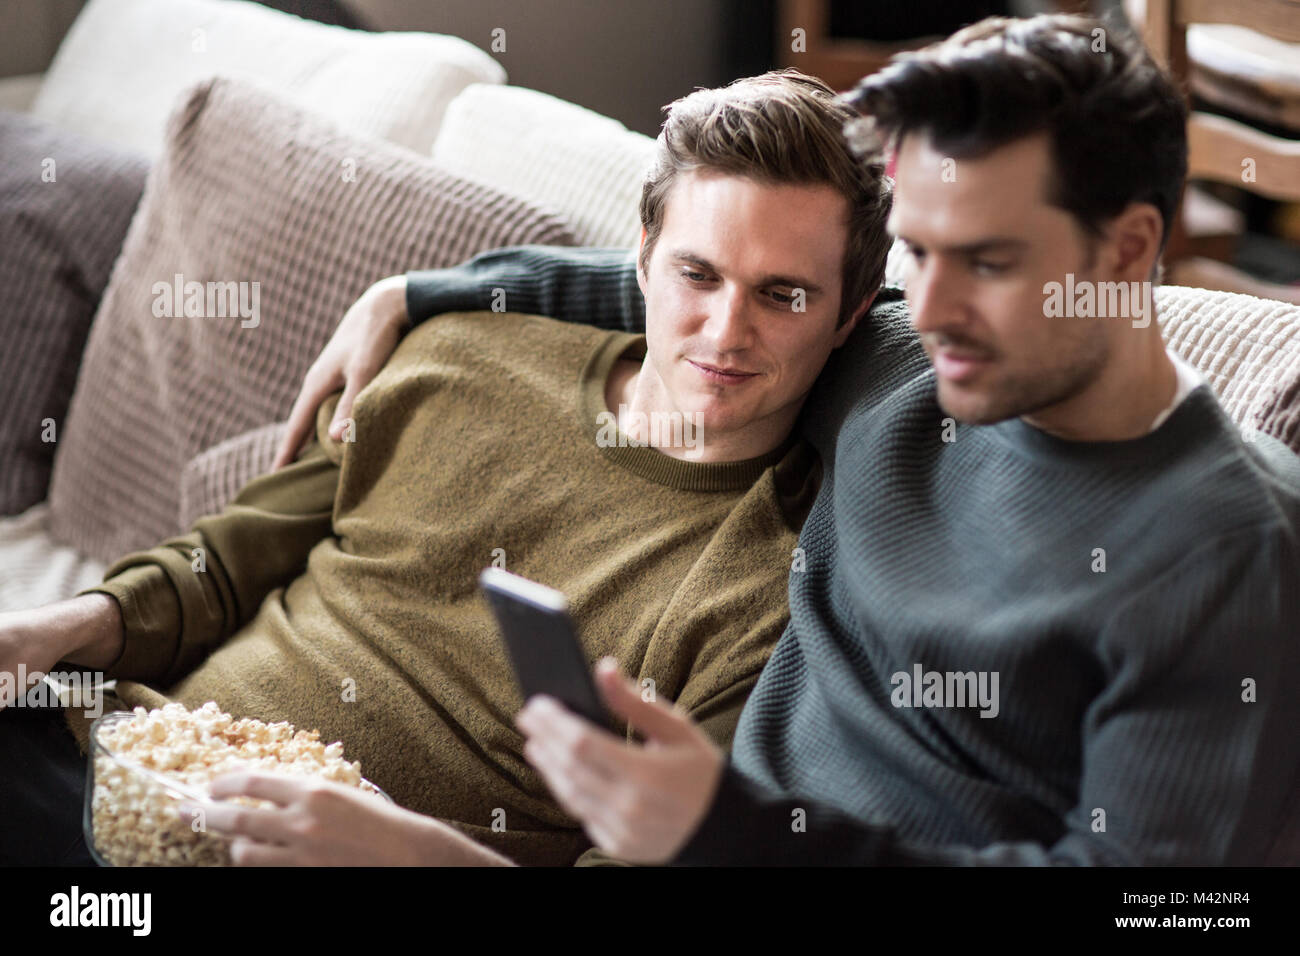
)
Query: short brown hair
[
  {"x": 780, "y": 127},
  {"x": 1116, "y": 122}
]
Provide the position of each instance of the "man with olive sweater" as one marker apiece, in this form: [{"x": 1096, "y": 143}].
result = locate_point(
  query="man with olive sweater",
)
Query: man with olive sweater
[{"x": 655, "y": 479}]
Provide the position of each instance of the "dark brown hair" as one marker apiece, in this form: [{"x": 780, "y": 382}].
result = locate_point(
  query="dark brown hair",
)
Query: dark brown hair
[
  {"x": 780, "y": 127},
  {"x": 1115, "y": 120}
]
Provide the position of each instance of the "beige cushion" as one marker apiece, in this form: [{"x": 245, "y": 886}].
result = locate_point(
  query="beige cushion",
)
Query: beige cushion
[
  {"x": 249, "y": 189},
  {"x": 586, "y": 166},
  {"x": 1248, "y": 349},
  {"x": 122, "y": 65}
]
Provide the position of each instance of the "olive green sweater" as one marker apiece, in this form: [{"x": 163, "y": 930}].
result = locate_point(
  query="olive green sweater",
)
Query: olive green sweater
[{"x": 340, "y": 593}]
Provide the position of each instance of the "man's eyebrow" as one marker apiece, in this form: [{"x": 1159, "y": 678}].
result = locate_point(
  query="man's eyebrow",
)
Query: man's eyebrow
[
  {"x": 992, "y": 244},
  {"x": 794, "y": 282}
]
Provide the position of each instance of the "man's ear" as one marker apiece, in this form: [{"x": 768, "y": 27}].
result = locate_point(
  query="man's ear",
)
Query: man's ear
[
  {"x": 843, "y": 332},
  {"x": 1135, "y": 240}
]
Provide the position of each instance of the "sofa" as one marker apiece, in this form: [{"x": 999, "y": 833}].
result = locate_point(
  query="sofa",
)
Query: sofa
[{"x": 178, "y": 145}]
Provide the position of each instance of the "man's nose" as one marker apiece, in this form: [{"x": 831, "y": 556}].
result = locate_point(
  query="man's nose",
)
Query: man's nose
[
  {"x": 934, "y": 294},
  {"x": 729, "y": 324}
]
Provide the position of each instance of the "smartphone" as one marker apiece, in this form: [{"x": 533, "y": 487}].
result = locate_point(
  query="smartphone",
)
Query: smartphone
[{"x": 542, "y": 641}]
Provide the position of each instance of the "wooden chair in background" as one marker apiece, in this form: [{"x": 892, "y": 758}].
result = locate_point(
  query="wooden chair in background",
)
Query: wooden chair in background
[{"x": 1226, "y": 150}]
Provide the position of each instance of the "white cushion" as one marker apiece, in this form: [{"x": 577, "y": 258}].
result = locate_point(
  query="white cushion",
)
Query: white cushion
[
  {"x": 37, "y": 570},
  {"x": 1247, "y": 348},
  {"x": 122, "y": 65},
  {"x": 583, "y": 165}
]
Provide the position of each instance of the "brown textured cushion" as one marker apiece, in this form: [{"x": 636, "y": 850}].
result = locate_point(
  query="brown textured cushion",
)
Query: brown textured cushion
[
  {"x": 58, "y": 240},
  {"x": 248, "y": 189}
]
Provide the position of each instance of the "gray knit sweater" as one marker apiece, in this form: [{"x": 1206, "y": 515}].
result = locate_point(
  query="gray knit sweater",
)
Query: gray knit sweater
[{"x": 1004, "y": 648}]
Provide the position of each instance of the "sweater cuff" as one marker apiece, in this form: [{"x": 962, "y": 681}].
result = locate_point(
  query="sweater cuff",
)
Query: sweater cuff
[
  {"x": 727, "y": 834},
  {"x": 431, "y": 292},
  {"x": 749, "y": 826},
  {"x": 151, "y": 615}
]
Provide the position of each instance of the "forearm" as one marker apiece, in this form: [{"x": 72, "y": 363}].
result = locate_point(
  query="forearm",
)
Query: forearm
[
  {"x": 180, "y": 600},
  {"x": 591, "y": 286},
  {"x": 85, "y": 631},
  {"x": 439, "y": 844},
  {"x": 388, "y": 300}
]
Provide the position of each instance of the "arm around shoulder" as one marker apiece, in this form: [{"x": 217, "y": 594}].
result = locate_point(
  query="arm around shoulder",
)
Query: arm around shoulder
[{"x": 592, "y": 286}]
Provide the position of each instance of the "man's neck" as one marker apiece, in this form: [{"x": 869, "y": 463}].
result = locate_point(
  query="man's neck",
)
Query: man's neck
[
  {"x": 637, "y": 396},
  {"x": 1121, "y": 403}
]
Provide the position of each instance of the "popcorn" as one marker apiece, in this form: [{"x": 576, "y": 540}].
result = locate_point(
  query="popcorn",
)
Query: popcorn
[{"x": 135, "y": 821}]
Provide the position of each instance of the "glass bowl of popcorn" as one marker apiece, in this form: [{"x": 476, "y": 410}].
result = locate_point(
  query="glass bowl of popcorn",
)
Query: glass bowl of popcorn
[{"x": 144, "y": 764}]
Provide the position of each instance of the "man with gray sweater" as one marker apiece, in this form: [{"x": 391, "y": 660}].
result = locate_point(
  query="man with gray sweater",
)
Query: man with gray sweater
[
  {"x": 1053, "y": 509},
  {"x": 1048, "y": 611}
]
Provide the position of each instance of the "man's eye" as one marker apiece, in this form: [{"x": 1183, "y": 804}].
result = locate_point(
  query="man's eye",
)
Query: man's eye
[
  {"x": 782, "y": 298},
  {"x": 986, "y": 268},
  {"x": 694, "y": 276}
]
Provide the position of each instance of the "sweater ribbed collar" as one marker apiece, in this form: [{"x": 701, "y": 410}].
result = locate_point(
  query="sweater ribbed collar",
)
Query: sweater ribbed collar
[
  {"x": 1189, "y": 423},
  {"x": 647, "y": 462}
]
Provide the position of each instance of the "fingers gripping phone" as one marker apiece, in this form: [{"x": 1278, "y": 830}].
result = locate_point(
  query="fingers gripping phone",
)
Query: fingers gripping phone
[{"x": 542, "y": 641}]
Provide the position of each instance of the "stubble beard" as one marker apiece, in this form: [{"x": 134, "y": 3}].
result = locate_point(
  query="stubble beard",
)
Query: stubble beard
[{"x": 1025, "y": 394}]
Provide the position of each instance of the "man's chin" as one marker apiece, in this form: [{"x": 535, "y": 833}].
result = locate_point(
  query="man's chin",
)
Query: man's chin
[{"x": 972, "y": 408}]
